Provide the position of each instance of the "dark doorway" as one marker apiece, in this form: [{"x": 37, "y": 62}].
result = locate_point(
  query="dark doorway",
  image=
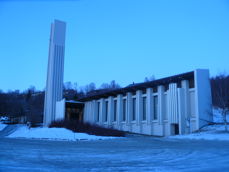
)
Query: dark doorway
[
  {"x": 74, "y": 110},
  {"x": 176, "y": 129}
]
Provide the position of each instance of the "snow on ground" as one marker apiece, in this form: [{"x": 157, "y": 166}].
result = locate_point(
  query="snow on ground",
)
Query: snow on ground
[
  {"x": 53, "y": 134},
  {"x": 217, "y": 116},
  {"x": 212, "y": 132},
  {"x": 2, "y": 126}
]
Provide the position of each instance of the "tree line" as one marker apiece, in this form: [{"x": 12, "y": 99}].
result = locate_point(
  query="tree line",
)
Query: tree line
[{"x": 30, "y": 103}]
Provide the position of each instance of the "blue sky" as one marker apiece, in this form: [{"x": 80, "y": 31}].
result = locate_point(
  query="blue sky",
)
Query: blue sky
[{"x": 122, "y": 40}]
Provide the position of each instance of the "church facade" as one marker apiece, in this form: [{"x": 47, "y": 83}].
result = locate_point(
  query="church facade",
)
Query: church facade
[{"x": 179, "y": 104}]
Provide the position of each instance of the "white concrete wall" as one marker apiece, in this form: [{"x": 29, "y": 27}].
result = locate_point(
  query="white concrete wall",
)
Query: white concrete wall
[
  {"x": 60, "y": 110},
  {"x": 203, "y": 99},
  {"x": 181, "y": 106}
]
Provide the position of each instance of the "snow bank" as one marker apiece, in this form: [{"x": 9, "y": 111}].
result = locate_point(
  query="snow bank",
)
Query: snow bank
[
  {"x": 2, "y": 126},
  {"x": 53, "y": 134},
  {"x": 214, "y": 132}
]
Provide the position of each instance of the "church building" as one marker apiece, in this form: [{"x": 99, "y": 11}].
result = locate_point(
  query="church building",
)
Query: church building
[
  {"x": 173, "y": 105},
  {"x": 177, "y": 104}
]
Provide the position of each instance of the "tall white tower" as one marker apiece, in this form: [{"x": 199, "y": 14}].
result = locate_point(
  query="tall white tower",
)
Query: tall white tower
[{"x": 55, "y": 74}]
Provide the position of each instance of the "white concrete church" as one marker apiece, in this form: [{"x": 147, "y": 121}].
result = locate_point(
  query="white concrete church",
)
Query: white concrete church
[
  {"x": 174, "y": 105},
  {"x": 177, "y": 104}
]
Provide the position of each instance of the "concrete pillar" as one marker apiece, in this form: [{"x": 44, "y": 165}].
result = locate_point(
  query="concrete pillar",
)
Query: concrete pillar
[
  {"x": 173, "y": 117},
  {"x": 161, "y": 104},
  {"x": 119, "y": 109},
  {"x": 203, "y": 98},
  {"x": 181, "y": 110},
  {"x": 129, "y": 101},
  {"x": 91, "y": 110},
  {"x": 102, "y": 111},
  {"x": 87, "y": 111},
  {"x": 185, "y": 86},
  {"x": 93, "y": 114},
  {"x": 110, "y": 117},
  {"x": 139, "y": 106},
  {"x": 96, "y": 111},
  {"x": 149, "y": 111},
  {"x": 172, "y": 104}
]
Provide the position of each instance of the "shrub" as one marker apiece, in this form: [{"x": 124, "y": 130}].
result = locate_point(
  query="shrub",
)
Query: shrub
[{"x": 81, "y": 127}]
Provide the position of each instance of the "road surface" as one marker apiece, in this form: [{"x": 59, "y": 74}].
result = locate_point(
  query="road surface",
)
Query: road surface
[{"x": 135, "y": 153}]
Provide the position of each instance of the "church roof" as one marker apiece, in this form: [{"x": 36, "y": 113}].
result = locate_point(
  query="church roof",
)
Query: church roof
[{"x": 104, "y": 93}]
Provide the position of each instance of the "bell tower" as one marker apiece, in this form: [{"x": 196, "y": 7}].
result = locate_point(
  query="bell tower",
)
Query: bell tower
[{"x": 55, "y": 73}]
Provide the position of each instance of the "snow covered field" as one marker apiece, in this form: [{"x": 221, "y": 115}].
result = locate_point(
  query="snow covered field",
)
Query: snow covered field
[{"x": 53, "y": 134}]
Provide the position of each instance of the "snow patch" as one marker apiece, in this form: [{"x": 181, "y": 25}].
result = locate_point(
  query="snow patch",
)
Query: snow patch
[
  {"x": 2, "y": 126},
  {"x": 53, "y": 134}
]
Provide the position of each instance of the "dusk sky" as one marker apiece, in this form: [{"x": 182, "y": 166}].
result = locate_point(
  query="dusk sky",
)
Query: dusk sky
[{"x": 121, "y": 40}]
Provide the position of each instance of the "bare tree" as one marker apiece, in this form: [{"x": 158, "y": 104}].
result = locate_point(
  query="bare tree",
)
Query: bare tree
[
  {"x": 68, "y": 85},
  {"x": 112, "y": 85},
  {"x": 105, "y": 86},
  {"x": 75, "y": 85},
  {"x": 220, "y": 94},
  {"x": 90, "y": 87},
  {"x": 148, "y": 79}
]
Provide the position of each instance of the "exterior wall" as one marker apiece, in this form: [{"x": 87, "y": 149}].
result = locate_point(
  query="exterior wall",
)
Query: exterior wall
[
  {"x": 177, "y": 110},
  {"x": 203, "y": 97},
  {"x": 54, "y": 83},
  {"x": 60, "y": 110}
]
